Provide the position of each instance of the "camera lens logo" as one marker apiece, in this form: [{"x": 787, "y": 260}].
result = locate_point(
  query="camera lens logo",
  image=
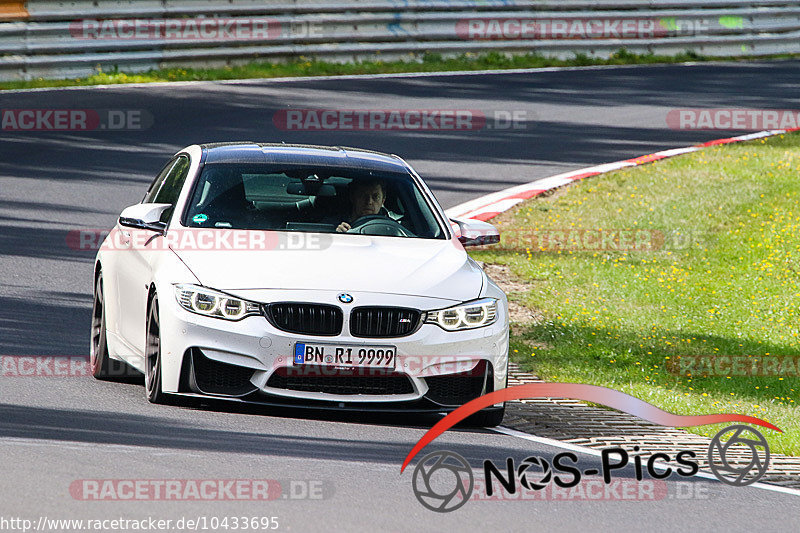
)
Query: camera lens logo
[
  {"x": 443, "y": 481},
  {"x": 527, "y": 476},
  {"x": 743, "y": 452}
]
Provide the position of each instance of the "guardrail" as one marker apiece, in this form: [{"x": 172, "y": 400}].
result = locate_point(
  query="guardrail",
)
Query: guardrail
[{"x": 52, "y": 39}]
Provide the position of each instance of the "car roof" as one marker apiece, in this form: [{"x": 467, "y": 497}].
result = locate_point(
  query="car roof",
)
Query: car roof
[{"x": 305, "y": 154}]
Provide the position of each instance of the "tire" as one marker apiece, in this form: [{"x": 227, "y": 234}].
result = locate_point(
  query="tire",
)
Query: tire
[
  {"x": 487, "y": 418},
  {"x": 152, "y": 355},
  {"x": 103, "y": 367}
]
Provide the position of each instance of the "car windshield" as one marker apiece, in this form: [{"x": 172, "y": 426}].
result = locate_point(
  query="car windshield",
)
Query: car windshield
[{"x": 320, "y": 200}]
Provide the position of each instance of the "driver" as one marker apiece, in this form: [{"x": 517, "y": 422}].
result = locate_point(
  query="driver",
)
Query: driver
[{"x": 367, "y": 198}]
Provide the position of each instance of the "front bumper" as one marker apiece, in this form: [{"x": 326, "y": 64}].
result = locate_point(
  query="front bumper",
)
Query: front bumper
[{"x": 251, "y": 360}]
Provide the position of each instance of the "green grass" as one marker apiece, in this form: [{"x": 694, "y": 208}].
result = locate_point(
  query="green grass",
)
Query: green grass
[
  {"x": 309, "y": 67},
  {"x": 622, "y": 319}
]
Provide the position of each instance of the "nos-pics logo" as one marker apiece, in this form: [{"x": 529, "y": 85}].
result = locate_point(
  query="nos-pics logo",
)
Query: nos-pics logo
[{"x": 443, "y": 481}]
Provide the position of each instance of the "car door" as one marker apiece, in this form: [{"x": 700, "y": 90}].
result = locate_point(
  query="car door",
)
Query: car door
[
  {"x": 136, "y": 270},
  {"x": 118, "y": 277}
]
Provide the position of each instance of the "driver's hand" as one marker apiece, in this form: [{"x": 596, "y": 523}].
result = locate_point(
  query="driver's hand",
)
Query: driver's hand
[{"x": 343, "y": 227}]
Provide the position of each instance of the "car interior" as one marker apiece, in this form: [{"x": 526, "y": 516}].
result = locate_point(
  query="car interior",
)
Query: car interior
[{"x": 308, "y": 200}]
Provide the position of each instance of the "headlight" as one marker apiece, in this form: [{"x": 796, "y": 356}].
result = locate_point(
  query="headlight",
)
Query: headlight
[
  {"x": 465, "y": 316},
  {"x": 212, "y": 303}
]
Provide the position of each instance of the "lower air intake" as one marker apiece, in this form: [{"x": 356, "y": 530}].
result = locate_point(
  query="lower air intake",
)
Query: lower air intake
[
  {"x": 220, "y": 379},
  {"x": 376, "y": 382},
  {"x": 458, "y": 389}
]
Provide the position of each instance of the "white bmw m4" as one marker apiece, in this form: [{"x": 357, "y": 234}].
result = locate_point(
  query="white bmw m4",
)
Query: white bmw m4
[{"x": 313, "y": 276}]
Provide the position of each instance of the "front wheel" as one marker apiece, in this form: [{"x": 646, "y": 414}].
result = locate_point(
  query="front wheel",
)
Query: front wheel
[
  {"x": 152, "y": 356},
  {"x": 103, "y": 367}
]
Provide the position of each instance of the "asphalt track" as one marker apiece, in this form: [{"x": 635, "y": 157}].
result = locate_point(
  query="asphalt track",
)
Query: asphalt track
[{"x": 54, "y": 431}]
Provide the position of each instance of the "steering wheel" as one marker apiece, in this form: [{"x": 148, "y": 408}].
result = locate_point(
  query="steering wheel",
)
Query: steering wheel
[{"x": 378, "y": 225}]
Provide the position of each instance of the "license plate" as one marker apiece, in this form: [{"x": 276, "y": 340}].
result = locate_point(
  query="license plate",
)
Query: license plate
[{"x": 341, "y": 355}]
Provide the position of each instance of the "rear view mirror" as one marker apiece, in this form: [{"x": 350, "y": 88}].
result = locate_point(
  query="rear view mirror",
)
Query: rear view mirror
[
  {"x": 309, "y": 189},
  {"x": 144, "y": 216},
  {"x": 297, "y": 188},
  {"x": 476, "y": 232}
]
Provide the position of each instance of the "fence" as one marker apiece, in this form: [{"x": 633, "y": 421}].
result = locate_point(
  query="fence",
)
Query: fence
[{"x": 52, "y": 39}]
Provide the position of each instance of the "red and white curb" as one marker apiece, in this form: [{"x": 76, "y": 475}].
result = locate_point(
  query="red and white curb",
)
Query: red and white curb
[{"x": 491, "y": 205}]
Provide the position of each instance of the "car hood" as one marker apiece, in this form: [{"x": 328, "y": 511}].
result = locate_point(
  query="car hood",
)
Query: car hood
[{"x": 395, "y": 265}]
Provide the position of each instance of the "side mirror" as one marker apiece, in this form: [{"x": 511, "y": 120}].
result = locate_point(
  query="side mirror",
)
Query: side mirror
[
  {"x": 144, "y": 216},
  {"x": 476, "y": 232}
]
